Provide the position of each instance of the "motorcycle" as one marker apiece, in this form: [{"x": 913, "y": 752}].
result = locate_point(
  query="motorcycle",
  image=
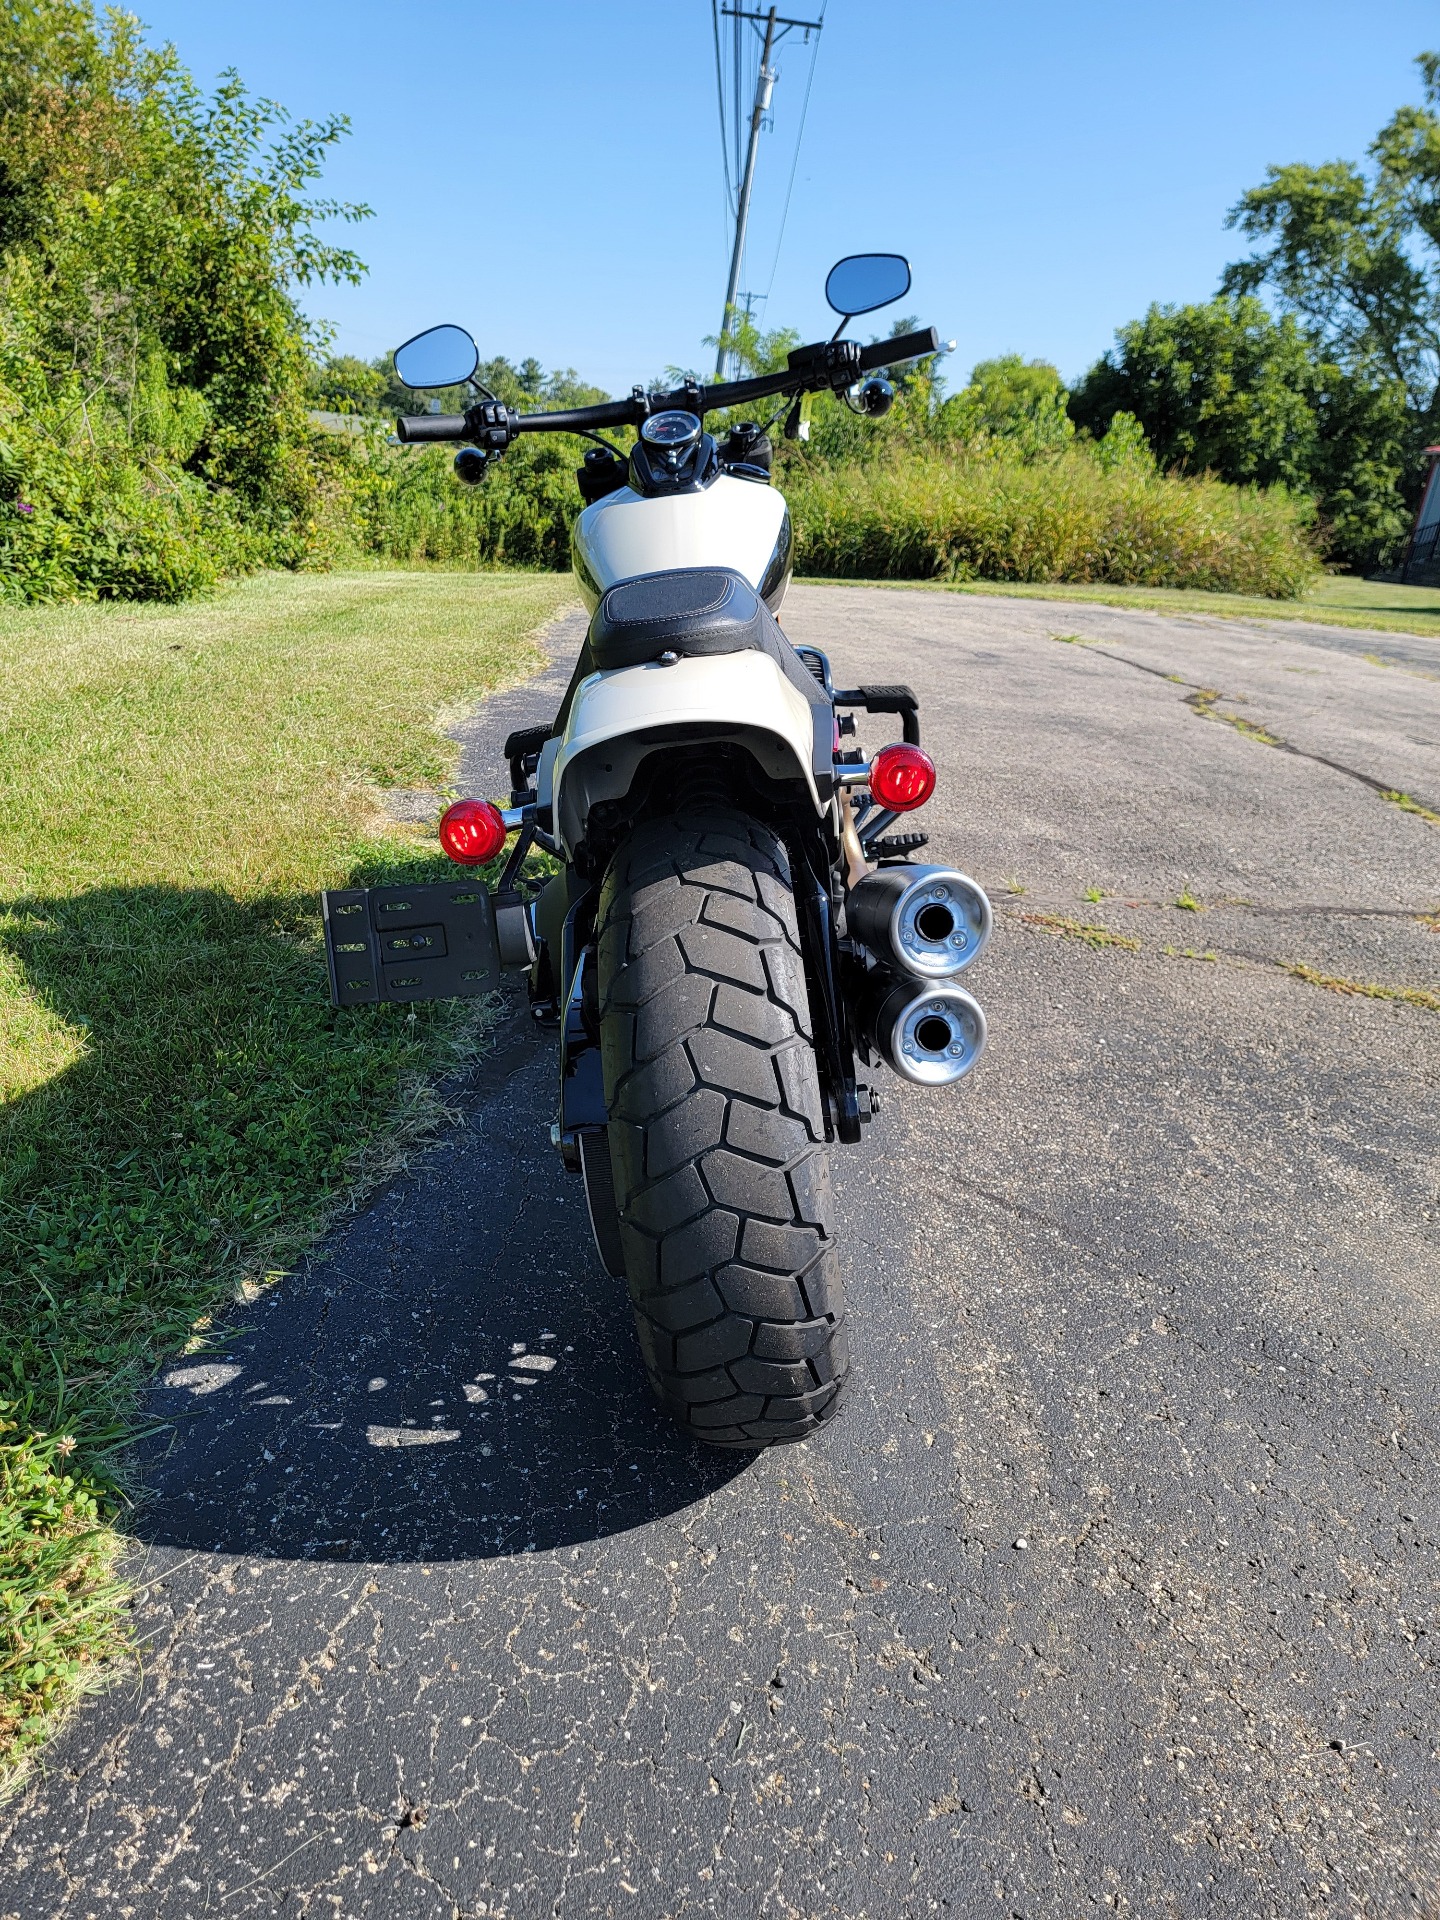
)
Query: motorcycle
[{"x": 734, "y": 928}]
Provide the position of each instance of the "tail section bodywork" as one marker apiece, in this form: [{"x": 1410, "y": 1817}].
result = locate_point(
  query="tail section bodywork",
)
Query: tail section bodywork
[{"x": 683, "y": 661}]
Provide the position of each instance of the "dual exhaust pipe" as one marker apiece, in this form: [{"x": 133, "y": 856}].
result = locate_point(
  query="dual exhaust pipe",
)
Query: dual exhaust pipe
[{"x": 923, "y": 926}]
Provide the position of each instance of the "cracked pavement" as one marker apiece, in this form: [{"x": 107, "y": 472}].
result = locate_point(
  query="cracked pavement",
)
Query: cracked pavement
[{"x": 1113, "y": 1590}]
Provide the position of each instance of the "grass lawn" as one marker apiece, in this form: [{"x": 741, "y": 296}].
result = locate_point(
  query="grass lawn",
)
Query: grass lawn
[
  {"x": 179, "y": 1105},
  {"x": 1338, "y": 601}
]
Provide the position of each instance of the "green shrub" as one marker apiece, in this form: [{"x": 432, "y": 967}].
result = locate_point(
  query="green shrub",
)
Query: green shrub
[
  {"x": 153, "y": 360},
  {"x": 1023, "y": 402},
  {"x": 1226, "y": 388},
  {"x": 96, "y": 505},
  {"x": 1099, "y": 513},
  {"x": 405, "y": 505},
  {"x": 992, "y": 515}
]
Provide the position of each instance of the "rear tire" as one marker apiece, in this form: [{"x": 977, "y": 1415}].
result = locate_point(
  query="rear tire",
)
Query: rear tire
[{"x": 717, "y": 1138}]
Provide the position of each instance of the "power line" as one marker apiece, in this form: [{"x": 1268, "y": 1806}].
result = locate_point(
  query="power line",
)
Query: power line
[
  {"x": 795, "y": 160},
  {"x": 736, "y": 43},
  {"x": 775, "y": 28},
  {"x": 720, "y": 97}
]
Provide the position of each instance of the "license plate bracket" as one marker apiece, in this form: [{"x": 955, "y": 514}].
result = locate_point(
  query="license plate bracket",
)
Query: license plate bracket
[{"x": 433, "y": 942}]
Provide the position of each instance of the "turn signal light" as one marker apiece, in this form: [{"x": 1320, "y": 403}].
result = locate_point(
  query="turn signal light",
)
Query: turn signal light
[
  {"x": 472, "y": 832},
  {"x": 901, "y": 778}
]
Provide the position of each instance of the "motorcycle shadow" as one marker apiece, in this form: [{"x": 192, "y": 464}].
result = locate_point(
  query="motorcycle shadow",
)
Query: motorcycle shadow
[{"x": 456, "y": 1378}]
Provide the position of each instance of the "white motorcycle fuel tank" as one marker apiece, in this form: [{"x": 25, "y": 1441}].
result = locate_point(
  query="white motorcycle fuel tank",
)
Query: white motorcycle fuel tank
[{"x": 735, "y": 523}]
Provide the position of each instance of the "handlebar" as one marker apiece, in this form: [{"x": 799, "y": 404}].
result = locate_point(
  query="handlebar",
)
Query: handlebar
[
  {"x": 432, "y": 426},
  {"x": 905, "y": 346},
  {"x": 811, "y": 370},
  {"x": 609, "y": 413}
]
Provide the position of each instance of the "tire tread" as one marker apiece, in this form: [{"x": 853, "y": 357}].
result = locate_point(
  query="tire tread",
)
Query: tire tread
[{"x": 717, "y": 1139}]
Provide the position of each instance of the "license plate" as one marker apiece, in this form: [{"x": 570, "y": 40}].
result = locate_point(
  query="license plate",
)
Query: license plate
[{"x": 410, "y": 943}]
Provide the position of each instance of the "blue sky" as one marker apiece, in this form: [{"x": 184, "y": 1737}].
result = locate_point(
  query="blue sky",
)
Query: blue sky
[{"x": 549, "y": 174}]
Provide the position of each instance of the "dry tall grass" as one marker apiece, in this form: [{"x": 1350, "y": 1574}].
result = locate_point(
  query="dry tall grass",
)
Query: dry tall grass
[{"x": 987, "y": 515}]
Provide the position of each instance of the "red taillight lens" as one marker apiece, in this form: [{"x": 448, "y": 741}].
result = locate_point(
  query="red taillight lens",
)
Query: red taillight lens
[
  {"x": 902, "y": 778},
  {"x": 472, "y": 832}
]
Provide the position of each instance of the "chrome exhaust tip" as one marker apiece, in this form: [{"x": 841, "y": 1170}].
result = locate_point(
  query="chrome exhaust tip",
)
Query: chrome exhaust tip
[
  {"x": 930, "y": 921},
  {"x": 931, "y": 1037}
]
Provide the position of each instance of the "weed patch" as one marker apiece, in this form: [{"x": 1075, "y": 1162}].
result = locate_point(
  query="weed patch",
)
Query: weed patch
[
  {"x": 987, "y": 513},
  {"x": 1068, "y": 929},
  {"x": 1364, "y": 989},
  {"x": 1203, "y": 700},
  {"x": 1407, "y": 804},
  {"x": 60, "y": 1603}
]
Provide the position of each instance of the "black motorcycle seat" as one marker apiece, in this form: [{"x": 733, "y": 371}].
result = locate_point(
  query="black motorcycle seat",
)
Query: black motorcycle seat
[{"x": 690, "y": 612}]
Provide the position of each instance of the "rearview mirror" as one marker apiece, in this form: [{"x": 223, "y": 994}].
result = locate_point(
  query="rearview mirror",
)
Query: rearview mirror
[
  {"x": 863, "y": 281},
  {"x": 439, "y": 357}
]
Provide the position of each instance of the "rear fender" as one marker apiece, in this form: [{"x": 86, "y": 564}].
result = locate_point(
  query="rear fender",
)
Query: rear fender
[{"x": 618, "y": 718}]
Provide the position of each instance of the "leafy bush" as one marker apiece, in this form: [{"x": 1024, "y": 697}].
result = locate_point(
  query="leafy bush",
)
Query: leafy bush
[
  {"x": 153, "y": 362},
  {"x": 993, "y": 515},
  {"x": 405, "y": 505},
  {"x": 1226, "y": 388},
  {"x": 98, "y": 503},
  {"x": 1020, "y": 401},
  {"x": 345, "y": 384}
]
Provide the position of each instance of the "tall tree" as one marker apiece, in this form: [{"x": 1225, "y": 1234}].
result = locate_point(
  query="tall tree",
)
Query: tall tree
[
  {"x": 139, "y": 218},
  {"x": 1230, "y": 388},
  {"x": 1223, "y": 387},
  {"x": 1022, "y": 401},
  {"x": 1354, "y": 253}
]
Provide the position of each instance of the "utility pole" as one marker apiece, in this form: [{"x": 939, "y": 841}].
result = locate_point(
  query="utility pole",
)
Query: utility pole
[{"x": 764, "y": 86}]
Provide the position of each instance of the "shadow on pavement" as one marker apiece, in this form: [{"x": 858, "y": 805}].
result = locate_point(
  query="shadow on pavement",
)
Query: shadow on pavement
[{"x": 456, "y": 1379}]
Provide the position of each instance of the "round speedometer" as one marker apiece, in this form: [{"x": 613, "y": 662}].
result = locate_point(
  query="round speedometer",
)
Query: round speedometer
[{"x": 671, "y": 430}]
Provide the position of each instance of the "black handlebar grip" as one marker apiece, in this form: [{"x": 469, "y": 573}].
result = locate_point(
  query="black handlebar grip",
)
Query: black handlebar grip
[
  {"x": 905, "y": 346},
  {"x": 431, "y": 426}
]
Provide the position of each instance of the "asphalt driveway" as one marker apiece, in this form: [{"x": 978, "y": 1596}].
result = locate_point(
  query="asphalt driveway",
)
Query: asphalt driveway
[{"x": 1114, "y": 1590}]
